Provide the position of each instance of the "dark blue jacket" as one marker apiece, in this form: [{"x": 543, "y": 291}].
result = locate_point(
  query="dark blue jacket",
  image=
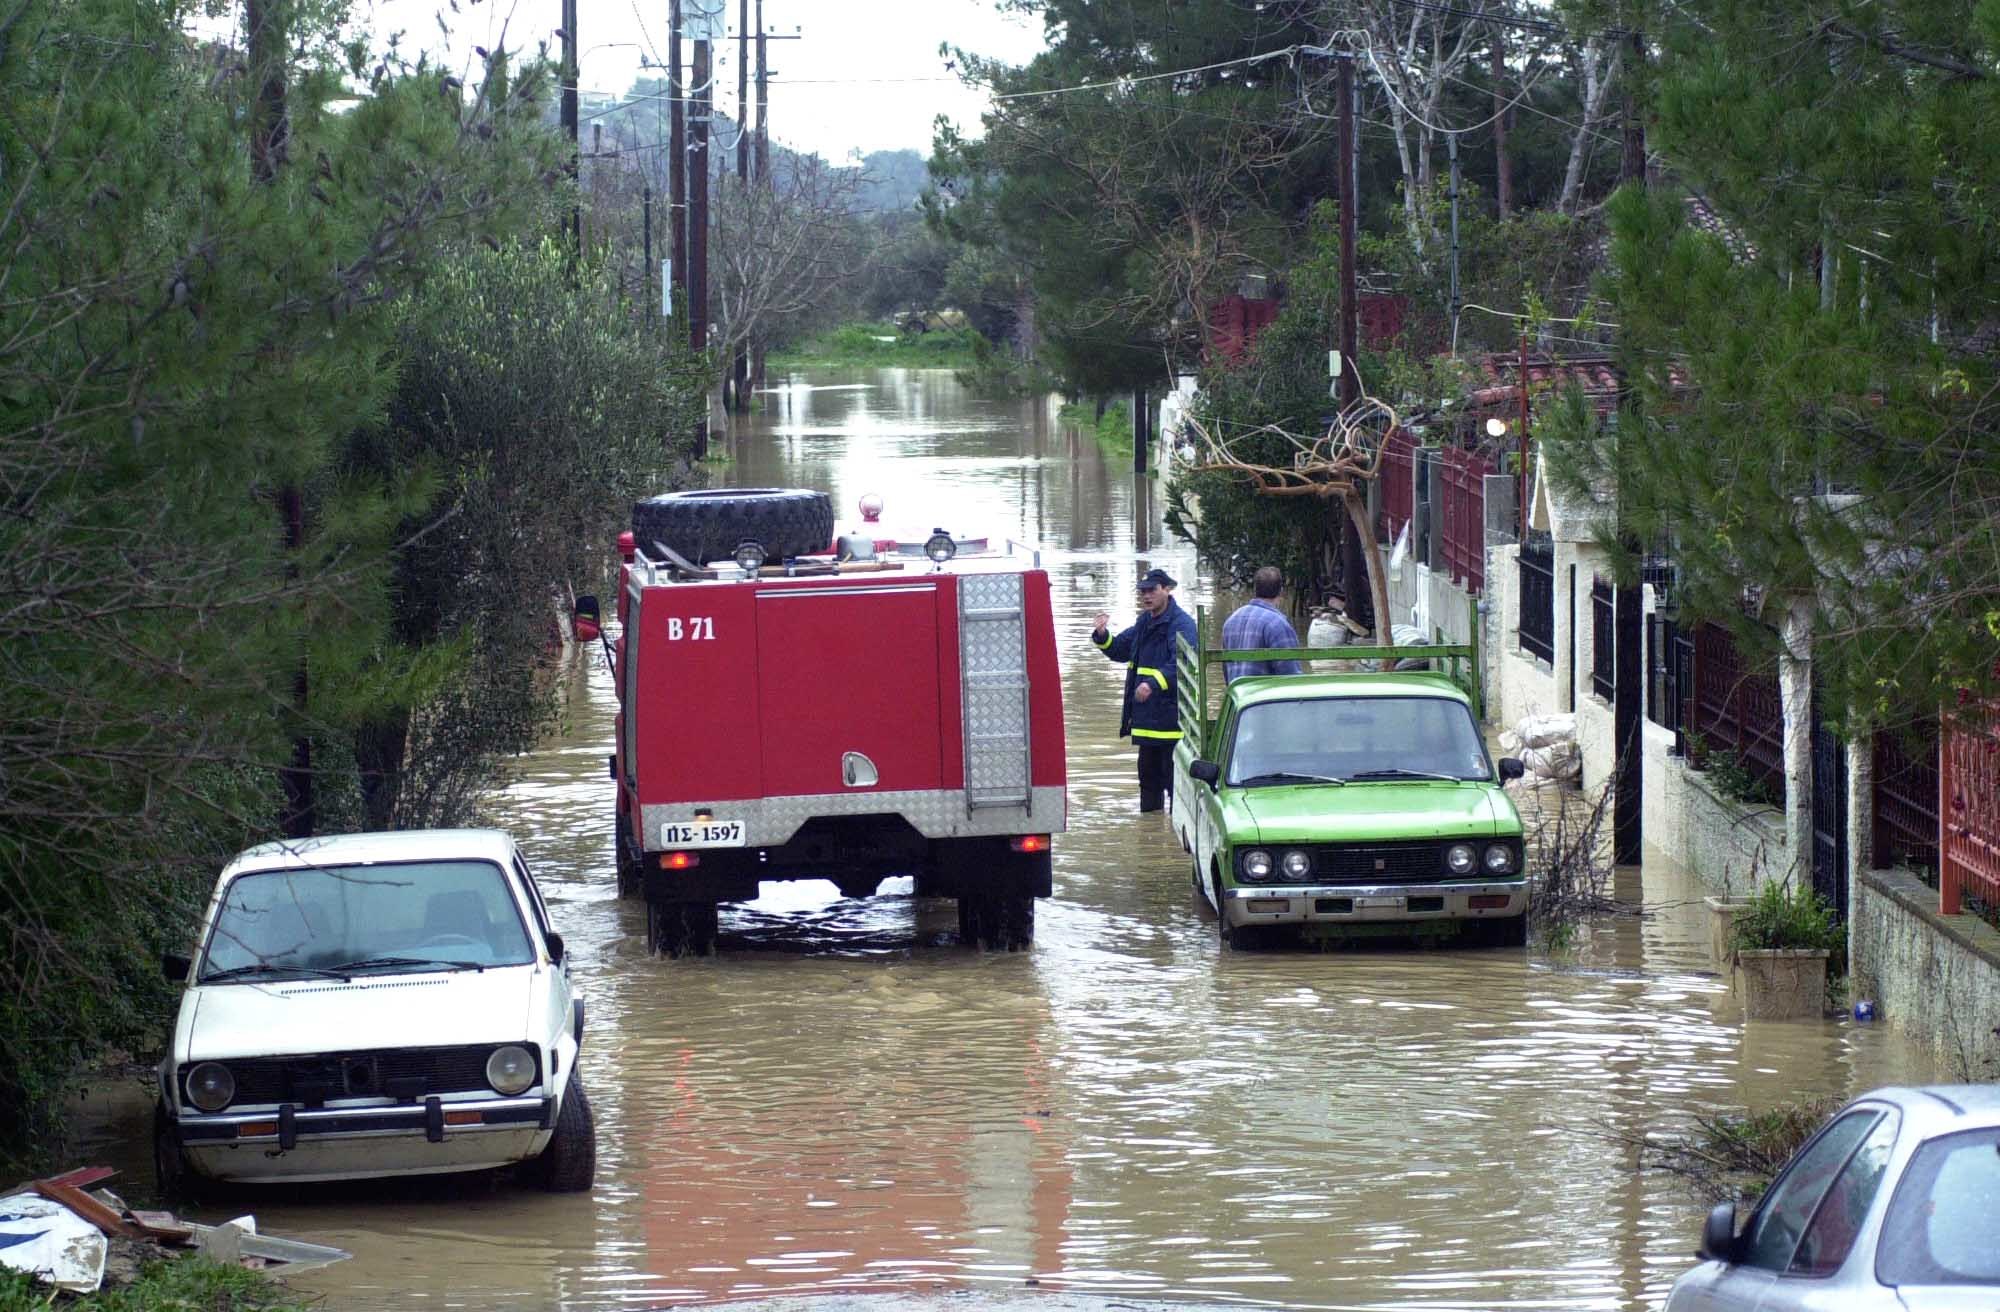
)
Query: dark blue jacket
[{"x": 1147, "y": 648}]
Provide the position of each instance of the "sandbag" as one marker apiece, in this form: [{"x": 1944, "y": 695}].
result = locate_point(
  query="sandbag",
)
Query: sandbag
[{"x": 1544, "y": 730}]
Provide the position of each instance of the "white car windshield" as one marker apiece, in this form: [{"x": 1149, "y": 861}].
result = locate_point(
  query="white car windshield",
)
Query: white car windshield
[
  {"x": 1356, "y": 739},
  {"x": 409, "y": 916},
  {"x": 1940, "y": 1228}
]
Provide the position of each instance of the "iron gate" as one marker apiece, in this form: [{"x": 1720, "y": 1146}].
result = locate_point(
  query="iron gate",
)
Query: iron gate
[{"x": 1829, "y": 813}]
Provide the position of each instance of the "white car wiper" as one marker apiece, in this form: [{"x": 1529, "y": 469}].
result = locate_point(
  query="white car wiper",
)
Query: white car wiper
[
  {"x": 268, "y": 968},
  {"x": 371, "y": 963},
  {"x": 1289, "y": 777},
  {"x": 1397, "y": 772}
]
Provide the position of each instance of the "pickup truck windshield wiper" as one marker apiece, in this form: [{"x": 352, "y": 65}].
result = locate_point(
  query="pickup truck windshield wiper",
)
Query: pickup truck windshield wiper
[
  {"x": 1289, "y": 777},
  {"x": 1397, "y": 772},
  {"x": 370, "y": 963},
  {"x": 268, "y": 968}
]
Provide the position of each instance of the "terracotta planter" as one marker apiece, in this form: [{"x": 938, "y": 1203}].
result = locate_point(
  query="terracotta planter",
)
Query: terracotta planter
[
  {"x": 1782, "y": 983},
  {"x": 1722, "y": 913}
]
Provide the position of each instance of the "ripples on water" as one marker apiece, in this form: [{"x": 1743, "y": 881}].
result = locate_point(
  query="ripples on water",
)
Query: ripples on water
[{"x": 845, "y": 1100}]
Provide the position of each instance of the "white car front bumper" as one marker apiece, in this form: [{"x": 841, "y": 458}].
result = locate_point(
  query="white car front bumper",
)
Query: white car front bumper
[{"x": 349, "y": 1142}]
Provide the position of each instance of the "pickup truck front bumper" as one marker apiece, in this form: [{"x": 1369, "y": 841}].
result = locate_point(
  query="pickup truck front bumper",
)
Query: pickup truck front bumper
[{"x": 1284, "y": 904}]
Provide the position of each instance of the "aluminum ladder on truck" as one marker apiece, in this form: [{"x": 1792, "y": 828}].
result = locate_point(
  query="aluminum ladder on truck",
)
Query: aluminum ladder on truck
[{"x": 993, "y": 660}]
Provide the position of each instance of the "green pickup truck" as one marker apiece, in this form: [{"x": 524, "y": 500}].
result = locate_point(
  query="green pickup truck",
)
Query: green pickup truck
[{"x": 1348, "y": 804}]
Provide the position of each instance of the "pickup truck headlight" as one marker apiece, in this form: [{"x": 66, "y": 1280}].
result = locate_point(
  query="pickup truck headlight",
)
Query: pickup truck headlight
[
  {"x": 210, "y": 1086},
  {"x": 510, "y": 1070},
  {"x": 1296, "y": 865},
  {"x": 1461, "y": 859},
  {"x": 1256, "y": 864},
  {"x": 1499, "y": 859}
]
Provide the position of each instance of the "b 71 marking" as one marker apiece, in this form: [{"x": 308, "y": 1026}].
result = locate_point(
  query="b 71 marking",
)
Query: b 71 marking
[{"x": 696, "y": 628}]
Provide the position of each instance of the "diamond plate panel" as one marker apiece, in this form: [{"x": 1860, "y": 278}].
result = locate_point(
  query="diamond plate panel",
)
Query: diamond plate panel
[{"x": 994, "y": 660}]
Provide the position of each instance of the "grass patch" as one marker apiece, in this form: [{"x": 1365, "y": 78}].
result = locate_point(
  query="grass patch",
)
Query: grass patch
[
  {"x": 181, "y": 1284},
  {"x": 1736, "y": 1157},
  {"x": 864, "y": 344},
  {"x": 1113, "y": 432}
]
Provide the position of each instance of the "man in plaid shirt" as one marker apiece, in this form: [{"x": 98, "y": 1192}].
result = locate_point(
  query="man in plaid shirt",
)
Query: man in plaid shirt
[{"x": 1259, "y": 625}]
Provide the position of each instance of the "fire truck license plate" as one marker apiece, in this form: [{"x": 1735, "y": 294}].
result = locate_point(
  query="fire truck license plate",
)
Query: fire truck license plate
[{"x": 703, "y": 833}]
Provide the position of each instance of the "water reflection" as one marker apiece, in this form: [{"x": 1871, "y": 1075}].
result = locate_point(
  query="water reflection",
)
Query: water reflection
[{"x": 845, "y": 1100}]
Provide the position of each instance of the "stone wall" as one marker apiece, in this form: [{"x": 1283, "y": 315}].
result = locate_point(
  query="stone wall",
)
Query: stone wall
[{"x": 1935, "y": 977}]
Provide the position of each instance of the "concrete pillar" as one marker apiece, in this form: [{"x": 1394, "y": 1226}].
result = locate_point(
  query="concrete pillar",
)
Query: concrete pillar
[
  {"x": 1795, "y": 696},
  {"x": 1860, "y": 825}
]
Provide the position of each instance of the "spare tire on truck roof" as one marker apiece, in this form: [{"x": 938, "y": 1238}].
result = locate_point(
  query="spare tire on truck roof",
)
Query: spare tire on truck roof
[{"x": 710, "y": 524}]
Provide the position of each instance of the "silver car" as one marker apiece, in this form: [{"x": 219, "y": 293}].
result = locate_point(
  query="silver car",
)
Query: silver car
[{"x": 1894, "y": 1204}]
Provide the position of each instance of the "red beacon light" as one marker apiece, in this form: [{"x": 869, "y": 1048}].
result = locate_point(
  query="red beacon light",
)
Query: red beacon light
[
  {"x": 628, "y": 547},
  {"x": 871, "y": 509}
]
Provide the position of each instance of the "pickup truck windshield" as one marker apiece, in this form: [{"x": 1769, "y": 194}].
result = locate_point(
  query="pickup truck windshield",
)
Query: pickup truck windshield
[
  {"x": 1363, "y": 739},
  {"x": 423, "y": 915}
]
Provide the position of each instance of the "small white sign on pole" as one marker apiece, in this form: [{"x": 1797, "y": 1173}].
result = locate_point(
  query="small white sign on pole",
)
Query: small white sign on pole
[{"x": 666, "y": 289}]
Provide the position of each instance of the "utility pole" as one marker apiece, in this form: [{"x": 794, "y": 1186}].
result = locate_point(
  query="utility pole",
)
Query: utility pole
[
  {"x": 1503, "y": 158},
  {"x": 706, "y": 12},
  {"x": 569, "y": 122},
  {"x": 676, "y": 158},
  {"x": 743, "y": 89},
  {"x": 646, "y": 269},
  {"x": 763, "y": 103},
  {"x": 763, "y": 163},
  {"x": 1627, "y": 798}
]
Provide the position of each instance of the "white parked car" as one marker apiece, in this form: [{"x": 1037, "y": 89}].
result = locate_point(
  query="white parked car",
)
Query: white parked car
[
  {"x": 1894, "y": 1204},
  {"x": 372, "y": 1005}
]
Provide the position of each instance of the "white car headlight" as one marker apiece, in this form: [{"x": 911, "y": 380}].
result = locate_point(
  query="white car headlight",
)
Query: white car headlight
[
  {"x": 510, "y": 1070},
  {"x": 1461, "y": 858},
  {"x": 1296, "y": 865},
  {"x": 1499, "y": 858},
  {"x": 1257, "y": 864},
  {"x": 210, "y": 1086}
]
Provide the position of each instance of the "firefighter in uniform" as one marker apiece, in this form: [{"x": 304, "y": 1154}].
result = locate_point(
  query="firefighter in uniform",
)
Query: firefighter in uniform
[{"x": 1151, "y": 712}]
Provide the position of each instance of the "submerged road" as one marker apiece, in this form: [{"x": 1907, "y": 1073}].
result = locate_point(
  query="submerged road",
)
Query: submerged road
[{"x": 845, "y": 1102}]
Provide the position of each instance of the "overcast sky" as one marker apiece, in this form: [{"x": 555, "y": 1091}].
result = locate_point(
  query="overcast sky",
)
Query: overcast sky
[{"x": 864, "y": 75}]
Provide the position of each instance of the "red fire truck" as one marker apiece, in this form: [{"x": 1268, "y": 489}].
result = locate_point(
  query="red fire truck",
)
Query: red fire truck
[{"x": 794, "y": 705}]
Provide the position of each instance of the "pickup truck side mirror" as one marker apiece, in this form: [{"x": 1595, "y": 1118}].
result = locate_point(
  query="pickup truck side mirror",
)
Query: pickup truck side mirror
[
  {"x": 1718, "y": 1234},
  {"x": 1511, "y": 768},
  {"x": 1206, "y": 771},
  {"x": 555, "y": 945},
  {"x": 175, "y": 966}
]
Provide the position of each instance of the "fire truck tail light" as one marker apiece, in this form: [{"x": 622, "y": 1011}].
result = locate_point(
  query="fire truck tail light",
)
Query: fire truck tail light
[
  {"x": 679, "y": 860},
  {"x": 1029, "y": 842}
]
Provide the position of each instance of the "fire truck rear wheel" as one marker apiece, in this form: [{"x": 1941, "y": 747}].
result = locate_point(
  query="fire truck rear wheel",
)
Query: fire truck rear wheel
[
  {"x": 1003, "y": 922},
  {"x": 710, "y": 524},
  {"x": 681, "y": 929},
  {"x": 628, "y": 864}
]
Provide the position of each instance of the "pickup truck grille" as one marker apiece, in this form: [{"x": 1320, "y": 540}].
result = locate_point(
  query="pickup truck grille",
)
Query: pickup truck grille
[
  {"x": 1420, "y": 861},
  {"x": 393, "y": 1072}
]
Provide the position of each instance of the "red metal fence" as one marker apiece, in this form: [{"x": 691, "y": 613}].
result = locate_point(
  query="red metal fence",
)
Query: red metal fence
[
  {"x": 1738, "y": 709},
  {"x": 1906, "y": 796},
  {"x": 1969, "y": 812},
  {"x": 1462, "y": 514},
  {"x": 1399, "y": 484}
]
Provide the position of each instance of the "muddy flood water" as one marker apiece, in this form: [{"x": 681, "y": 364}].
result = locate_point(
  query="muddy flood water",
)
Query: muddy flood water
[{"x": 845, "y": 1101}]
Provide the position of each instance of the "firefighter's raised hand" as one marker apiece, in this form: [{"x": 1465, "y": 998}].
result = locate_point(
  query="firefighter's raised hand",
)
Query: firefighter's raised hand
[
  {"x": 1144, "y": 692},
  {"x": 1102, "y": 624}
]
